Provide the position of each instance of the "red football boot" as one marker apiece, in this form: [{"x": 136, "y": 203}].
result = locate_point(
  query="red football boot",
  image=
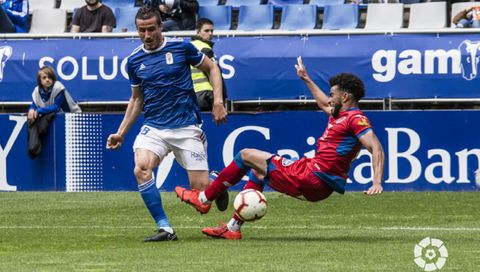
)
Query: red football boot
[
  {"x": 222, "y": 232},
  {"x": 191, "y": 197}
]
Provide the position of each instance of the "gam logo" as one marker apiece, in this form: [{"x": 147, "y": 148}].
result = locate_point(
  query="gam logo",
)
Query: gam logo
[
  {"x": 5, "y": 54},
  {"x": 463, "y": 60}
]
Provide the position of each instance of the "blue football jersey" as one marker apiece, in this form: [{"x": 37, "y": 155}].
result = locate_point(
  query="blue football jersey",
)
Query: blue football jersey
[{"x": 164, "y": 77}]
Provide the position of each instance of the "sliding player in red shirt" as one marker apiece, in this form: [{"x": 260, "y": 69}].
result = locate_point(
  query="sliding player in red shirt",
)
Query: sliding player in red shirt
[{"x": 311, "y": 179}]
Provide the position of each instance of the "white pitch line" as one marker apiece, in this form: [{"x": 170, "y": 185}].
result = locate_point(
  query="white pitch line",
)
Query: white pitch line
[
  {"x": 286, "y": 227},
  {"x": 424, "y": 228}
]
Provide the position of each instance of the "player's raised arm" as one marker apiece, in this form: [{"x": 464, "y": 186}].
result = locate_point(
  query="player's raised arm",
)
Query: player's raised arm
[
  {"x": 134, "y": 108},
  {"x": 372, "y": 144},
  {"x": 320, "y": 97},
  {"x": 219, "y": 112}
]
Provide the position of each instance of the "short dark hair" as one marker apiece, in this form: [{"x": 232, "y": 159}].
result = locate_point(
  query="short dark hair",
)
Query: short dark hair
[
  {"x": 147, "y": 12},
  {"x": 349, "y": 83},
  {"x": 203, "y": 21},
  {"x": 49, "y": 72}
]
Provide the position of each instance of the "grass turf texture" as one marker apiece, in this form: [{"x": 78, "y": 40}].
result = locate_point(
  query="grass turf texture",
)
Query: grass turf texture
[{"x": 104, "y": 232}]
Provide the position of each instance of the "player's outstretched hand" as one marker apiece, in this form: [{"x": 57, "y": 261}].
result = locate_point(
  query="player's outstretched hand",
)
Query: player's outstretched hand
[
  {"x": 219, "y": 113},
  {"x": 301, "y": 70},
  {"x": 114, "y": 141},
  {"x": 374, "y": 190}
]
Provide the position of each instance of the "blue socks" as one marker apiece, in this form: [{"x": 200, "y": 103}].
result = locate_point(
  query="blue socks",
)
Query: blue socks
[
  {"x": 254, "y": 179},
  {"x": 239, "y": 162},
  {"x": 153, "y": 201}
]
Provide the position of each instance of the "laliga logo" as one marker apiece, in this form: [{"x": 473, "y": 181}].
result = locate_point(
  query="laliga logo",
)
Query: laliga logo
[
  {"x": 470, "y": 59},
  {"x": 430, "y": 254},
  {"x": 5, "y": 54}
]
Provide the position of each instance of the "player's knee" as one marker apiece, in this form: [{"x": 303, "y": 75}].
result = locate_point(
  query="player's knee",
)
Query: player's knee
[
  {"x": 142, "y": 173},
  {"x": 200, "y": 185},
  {"x": 199, "y": 181},
  {"x": 247, "y": 154}
]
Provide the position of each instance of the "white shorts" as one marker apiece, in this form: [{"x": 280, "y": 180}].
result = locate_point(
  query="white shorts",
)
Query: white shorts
[{"x": 189, "y": 145}]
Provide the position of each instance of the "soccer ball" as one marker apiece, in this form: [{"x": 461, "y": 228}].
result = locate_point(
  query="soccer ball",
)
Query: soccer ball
[{"x": 250, "y": 205}]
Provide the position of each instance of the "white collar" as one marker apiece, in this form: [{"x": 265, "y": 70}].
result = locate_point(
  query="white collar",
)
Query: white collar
[{"x": 155, "y": 50}]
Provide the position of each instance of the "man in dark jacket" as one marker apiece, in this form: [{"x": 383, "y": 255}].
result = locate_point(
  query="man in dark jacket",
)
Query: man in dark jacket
[{"x": 176, "y": 14}]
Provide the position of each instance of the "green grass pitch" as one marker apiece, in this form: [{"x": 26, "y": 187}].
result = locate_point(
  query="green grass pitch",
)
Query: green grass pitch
[{"x": 104, "y": 232}]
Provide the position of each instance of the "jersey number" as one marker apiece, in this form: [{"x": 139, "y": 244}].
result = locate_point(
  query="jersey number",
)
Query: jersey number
[{"x": 145, "y": 130}]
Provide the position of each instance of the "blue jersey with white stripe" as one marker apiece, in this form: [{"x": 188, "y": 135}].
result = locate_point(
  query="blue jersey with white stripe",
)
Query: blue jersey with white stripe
[
  {"x": 17, "y": 11},
  {"x": 163, "y": 76}
]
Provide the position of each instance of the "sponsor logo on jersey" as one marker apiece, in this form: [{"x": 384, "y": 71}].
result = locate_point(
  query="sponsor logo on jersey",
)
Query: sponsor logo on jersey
[
  {"x": 363, "y": 122},
  {"x": 198, "y": 156},
  {"x": 169, "y": 58}
]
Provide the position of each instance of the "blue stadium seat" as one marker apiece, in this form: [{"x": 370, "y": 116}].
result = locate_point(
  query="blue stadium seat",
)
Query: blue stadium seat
[
  {"x": 221, "y": 16},
  {"x": 340, "y": 16},
  {"x": 238, "y": 3},
  {"x": 113, "y": 4},
  {"x": 410, "y": 1},
  {"x": 255, "y": 17},
  {"x": 125, "y": 19},
  {"x": 203, "y": 3},
  {"x": 299, "y": 17},
  {"x": 322, "y": 3},
  {"x": 284, "y": 2}
]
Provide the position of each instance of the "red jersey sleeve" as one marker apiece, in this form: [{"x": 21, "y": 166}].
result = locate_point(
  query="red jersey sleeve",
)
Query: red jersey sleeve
[{"x": 359, "y": 124}]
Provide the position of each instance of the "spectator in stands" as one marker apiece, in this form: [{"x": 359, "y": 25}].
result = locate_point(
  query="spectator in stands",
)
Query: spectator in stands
[
  {"x": 469, "y": 17},
  {"x": 93, "y": 17},
  {"x": 49, "y": 97},
  {"x": 14, "y": 16},
  {"x": 203, "y": 42},
  {"x": 176, "y": 14}
]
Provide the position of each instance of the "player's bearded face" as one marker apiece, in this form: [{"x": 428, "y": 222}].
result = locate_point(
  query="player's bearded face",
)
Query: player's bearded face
[
  {"x": 150, "y": 33},
  {"x": 336, "y": 109},
  {"x": 335, "y": 101}
]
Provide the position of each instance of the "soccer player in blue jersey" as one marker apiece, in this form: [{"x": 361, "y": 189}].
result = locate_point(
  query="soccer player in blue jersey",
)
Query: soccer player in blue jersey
[{"x": 159, "y": 72}]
